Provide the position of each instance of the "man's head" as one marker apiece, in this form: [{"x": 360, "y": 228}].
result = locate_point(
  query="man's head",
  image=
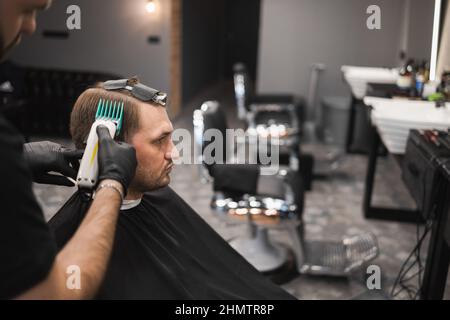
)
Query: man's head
[
  {"x": 145, "y": 125},
  {"x": 18, "y": 17}
]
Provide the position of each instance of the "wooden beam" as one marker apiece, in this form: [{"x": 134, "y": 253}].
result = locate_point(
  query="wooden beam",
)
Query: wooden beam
[{"x": 175, "y": 57}]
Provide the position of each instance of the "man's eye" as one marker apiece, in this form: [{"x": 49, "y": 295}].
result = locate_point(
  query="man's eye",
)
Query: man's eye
[
  {"x": 163, "y": 139},
  {"x": 29, "y": 12}
]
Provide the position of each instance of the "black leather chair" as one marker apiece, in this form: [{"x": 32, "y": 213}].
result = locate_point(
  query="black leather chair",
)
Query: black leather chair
[
  {"x": 274, "y": 114},
  {"x": 265, "y": 108},
  {"x": 264, "y": 202},
  {"x": 243, "y": 192}
]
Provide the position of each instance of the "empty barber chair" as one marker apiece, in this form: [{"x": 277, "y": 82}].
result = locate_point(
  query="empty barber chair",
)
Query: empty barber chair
[
  {"x": 242, "y": 192},
  {"x": 263, "y": 109},
  {"x": 279, "y": 115}
]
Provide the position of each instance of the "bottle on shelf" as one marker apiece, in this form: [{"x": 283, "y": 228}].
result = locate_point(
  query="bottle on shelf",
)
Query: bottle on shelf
[
  {"x": 444, "y": 87},
  {"x": 421, "y": 78},
  {"x": 406, "y": 74}
]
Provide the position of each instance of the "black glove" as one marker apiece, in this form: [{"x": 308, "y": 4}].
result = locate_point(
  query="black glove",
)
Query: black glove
[
  {"x": 116, "y": 160},
  {"x": 45, "y": 156}
]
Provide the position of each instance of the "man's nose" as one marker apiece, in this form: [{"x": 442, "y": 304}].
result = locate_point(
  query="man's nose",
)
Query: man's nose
[{"x": 172, "y": 153}]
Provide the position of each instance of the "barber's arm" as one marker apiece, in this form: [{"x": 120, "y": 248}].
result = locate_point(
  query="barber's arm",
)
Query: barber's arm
[{"x": 90, "y": 247}]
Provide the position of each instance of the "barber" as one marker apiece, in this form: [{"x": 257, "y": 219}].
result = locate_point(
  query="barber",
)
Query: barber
[{"x": 31, "y": 267}]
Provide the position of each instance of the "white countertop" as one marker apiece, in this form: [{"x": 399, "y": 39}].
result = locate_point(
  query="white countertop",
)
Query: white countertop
[
  {"x": 359, "y": 77},
  {"x": 395, "y": 117}
]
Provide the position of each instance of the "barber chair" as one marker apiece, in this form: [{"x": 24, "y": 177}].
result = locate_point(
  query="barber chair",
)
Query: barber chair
[
  {"x": 279, "y": 115},
  {"x": 242, "y": 192},
  {"x": 263, "y": 109}
]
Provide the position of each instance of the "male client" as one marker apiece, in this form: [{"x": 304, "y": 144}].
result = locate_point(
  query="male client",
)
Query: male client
[{"x": 162, "y": 248}]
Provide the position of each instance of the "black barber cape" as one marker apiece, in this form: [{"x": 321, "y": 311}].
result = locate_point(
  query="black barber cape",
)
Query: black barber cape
[{"x": 164, "y": 250}]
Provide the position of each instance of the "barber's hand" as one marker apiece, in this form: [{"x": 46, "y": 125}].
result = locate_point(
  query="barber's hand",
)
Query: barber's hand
[
  {"x": 116, "y": 160},
  {"x": 45, "y": 156}
]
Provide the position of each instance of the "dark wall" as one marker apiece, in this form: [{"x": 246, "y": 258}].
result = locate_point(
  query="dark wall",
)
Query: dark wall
[
  {"x": 241, "y": 35},
  {"x": 295, "y": 34},
  {"x": 421, "y": 16},
  {"x": 217, "y": 34},
  {"x": 202, "y": 22}
]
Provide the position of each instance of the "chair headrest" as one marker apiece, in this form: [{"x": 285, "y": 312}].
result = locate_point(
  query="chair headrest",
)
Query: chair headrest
[
  {"x": 239, "y": 67},
  {"x": 213, "y": 116}
]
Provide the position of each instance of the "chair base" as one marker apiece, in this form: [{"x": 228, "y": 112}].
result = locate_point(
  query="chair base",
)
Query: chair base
[
  {"x": 324, "y": 258},
  {"x": 260, "y": 252},
  {"x": 337, "y": 258}
]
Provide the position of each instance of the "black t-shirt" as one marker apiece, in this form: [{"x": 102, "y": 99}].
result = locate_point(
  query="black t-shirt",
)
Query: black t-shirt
[
  {"x": 164, "y": 250},
  {"x": 27, "y": 248}
]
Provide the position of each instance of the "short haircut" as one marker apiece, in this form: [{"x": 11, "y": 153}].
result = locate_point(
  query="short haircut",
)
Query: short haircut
[{"x": 85, "y": 108}]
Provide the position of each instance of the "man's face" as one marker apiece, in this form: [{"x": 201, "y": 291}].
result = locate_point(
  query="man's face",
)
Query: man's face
[
  {"x": 17, "y": 17},
  {"x": 154, "y": 149}
]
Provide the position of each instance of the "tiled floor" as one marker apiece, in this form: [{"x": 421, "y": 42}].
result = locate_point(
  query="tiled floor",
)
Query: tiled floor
[{"x": 333, "y": 210}]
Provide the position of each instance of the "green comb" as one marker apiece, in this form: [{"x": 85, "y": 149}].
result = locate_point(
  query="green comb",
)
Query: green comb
[{"x": 110, "y": 110}]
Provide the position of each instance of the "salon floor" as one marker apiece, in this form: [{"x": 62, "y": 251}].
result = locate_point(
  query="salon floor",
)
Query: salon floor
[{"x": 332, "y": 210}]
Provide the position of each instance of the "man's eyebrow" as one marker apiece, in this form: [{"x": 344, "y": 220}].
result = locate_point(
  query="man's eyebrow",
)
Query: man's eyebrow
[
  {"x": 40, "y": 7},
  {"x": 164, "y": 134}
]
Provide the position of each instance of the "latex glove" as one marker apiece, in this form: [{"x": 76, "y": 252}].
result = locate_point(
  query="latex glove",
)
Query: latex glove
[
  {"x": 116, "y": 160},
  {"x": 44, "y": 156}
]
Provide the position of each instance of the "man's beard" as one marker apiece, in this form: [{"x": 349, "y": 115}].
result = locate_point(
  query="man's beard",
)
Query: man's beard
[
  {"x": 4, "y": 50},
  {"x": 147, "y": 182}
]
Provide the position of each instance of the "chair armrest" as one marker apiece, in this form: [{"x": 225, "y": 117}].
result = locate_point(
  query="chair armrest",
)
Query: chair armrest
[{"x": 271, "y": 107}]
